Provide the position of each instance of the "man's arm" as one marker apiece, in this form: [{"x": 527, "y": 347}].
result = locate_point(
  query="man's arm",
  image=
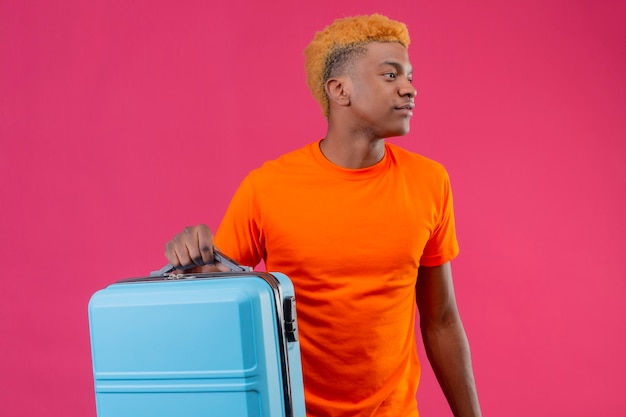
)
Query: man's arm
[{"x": 445, "y": 341}]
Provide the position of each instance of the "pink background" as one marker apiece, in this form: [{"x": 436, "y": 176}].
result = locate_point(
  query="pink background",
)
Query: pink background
[{"x": 122, "y": 122}]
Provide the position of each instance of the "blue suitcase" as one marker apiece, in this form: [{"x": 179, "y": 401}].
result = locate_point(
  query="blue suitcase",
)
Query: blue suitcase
[{"x": 220, "y": 344}]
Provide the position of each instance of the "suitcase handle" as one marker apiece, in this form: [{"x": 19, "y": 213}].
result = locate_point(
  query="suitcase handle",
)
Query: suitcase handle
[{"x": 217, "y": 255}]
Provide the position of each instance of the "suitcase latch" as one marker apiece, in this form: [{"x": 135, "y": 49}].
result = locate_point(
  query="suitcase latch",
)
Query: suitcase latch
[{"x": 291, "y": 326}]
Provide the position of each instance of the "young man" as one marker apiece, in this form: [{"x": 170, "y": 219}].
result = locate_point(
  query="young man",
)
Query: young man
[{"x": 364, "y": 229}]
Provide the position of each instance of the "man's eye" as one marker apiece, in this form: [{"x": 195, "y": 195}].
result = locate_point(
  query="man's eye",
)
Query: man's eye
[{"x": 390, "y": 75}]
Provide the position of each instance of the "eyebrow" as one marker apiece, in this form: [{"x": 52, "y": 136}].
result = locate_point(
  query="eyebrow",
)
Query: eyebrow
[{"x": 398, "y": 67}]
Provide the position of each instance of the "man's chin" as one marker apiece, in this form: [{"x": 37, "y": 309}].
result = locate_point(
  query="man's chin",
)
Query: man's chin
[{"x": 401, "y": 132}]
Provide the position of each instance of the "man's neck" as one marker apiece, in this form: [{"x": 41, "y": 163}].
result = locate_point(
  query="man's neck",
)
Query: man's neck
[{"x": 352, "y": 152}]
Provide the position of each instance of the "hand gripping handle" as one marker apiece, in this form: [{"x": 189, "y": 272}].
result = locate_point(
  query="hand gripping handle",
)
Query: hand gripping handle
[{"x": 217, "y": 256}]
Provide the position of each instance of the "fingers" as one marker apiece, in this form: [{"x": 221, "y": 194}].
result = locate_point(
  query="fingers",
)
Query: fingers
[
  {"x": 191, "y": 247},
  {"x": 217, "y": 267},
  {"x": 200, "y": 244}
]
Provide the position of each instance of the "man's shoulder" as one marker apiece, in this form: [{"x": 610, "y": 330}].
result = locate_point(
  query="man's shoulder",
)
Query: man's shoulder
[
  {"x": 291, "y": 161},
  {"x": 410, "y": 160}
]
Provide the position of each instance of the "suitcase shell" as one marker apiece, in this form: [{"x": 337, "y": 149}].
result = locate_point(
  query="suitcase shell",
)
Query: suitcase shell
[{"x": 200, "y": 345}]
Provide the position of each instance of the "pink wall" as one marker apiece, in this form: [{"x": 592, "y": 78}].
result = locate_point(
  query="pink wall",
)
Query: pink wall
[{"x": 122, "y": 123}]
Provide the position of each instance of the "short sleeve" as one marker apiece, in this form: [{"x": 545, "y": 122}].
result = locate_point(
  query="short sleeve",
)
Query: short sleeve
[
  {"x": 239, "y": 234},
  {"x": 442, "y": 245}
]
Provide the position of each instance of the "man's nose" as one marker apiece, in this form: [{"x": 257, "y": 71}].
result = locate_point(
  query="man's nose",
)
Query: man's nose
[{"x": 408, "y": 89}]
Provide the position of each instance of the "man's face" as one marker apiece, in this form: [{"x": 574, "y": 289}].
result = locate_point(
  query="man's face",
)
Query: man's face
[{"x": 382, "y": 96}]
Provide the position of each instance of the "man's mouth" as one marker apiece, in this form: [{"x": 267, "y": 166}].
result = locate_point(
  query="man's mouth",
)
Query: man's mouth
[{"x": 408, "y": 106}]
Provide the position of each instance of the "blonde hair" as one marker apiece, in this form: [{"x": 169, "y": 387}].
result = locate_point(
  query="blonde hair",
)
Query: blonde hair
[{"x": 334, "y": 47}]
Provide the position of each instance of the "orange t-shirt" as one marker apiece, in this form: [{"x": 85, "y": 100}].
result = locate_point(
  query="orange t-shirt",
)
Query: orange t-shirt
[{"x": 351, "y": 240}]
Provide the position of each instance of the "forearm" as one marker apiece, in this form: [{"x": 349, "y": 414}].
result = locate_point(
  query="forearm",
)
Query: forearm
[{"x": 448, "y": 351}]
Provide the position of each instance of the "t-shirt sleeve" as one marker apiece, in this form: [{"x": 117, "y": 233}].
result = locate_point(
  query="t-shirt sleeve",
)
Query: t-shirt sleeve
[
  {"x": 239, "y": 234},
  {"x": 442, "y": 245}
]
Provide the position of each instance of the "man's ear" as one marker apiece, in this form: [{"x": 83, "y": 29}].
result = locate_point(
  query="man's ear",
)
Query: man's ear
[{"x": 338, "y": 90}]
